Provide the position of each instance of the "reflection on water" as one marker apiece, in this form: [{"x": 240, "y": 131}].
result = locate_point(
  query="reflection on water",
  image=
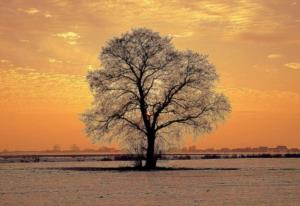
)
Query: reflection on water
[{"x": 257, "y": 182}]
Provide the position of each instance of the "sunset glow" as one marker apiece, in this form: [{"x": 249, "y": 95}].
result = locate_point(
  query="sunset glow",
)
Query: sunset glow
[{"x": 47, "y": 47}]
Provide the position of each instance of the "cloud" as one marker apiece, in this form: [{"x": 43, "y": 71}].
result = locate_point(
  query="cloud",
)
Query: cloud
[
  {"x": 274, "y": 56},
  {"x": 53, "y": 60},
  {"x": 24, "y": 40},
  {"x": 293, "y": 65},
  {"x": 24, "y": 69},
  {"x": 70, "y": 37},
  {"x": 35, "y": 11},
  {"x": 182, "y": 35},
  {"x": 40, "y": 89},
  {"x": 32, "y": 11},
  {"x": 90, "y": 67},
  {"x": 47, "y": 15},
  {"x": 4, "y": 61}
]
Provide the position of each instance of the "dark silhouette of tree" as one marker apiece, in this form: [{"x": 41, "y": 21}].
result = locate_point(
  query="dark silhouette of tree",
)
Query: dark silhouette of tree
[
  {"x": 56, "y": 148},
  {"x": 74, "y": 148},
  {"x": 148, "y": 91}
]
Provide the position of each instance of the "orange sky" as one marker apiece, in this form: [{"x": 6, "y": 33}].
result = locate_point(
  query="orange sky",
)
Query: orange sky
[{"x": 48, "y": 46}]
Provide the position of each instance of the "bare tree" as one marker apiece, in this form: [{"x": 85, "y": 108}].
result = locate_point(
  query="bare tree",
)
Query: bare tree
[
  {"x": 56, "y": 148},
  {"x": 148, "y": 90},
  {"x": 74, "y": 148}
]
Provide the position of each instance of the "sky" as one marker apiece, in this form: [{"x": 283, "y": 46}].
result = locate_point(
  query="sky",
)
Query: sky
[{"x": 48, "y": 46}]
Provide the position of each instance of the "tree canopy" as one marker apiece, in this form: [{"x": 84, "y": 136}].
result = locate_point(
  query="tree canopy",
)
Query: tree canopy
[{"x": 147, "y": 89}]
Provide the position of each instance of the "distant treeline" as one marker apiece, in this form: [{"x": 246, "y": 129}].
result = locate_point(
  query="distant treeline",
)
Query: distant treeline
[
  {"x": 131, "y": 157},
  {"x": 191, "y": 149},
  {"x": 204, "y": 156},
  {"x": 261, "y": 149},
  {"x": 73, "y": 149}
]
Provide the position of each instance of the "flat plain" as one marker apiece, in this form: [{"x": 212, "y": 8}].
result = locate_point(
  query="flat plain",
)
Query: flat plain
[{"x": 214, "y": 182}]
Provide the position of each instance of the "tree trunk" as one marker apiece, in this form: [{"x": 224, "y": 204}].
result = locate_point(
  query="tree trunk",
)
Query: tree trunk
[{"x": 150, "y": 157}]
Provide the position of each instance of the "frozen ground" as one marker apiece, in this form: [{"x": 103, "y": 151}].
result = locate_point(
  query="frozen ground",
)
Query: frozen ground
[{"x": 256, "y": 182}]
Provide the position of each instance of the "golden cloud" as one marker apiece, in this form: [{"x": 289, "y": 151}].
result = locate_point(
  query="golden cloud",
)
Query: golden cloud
[
  {"x": 70, "y": 37},
  {"x": 44, "y": 90},
  {"x": 32, "y": 11},
  {"x": 182, "y": 35},
  {"x": 4, "y": 61},
  {"x": 274, "y": 56},
  {"x": 47, "y": 15},
  {"x": 53, "y": 60},
  {"x": 293, "y": 65}
]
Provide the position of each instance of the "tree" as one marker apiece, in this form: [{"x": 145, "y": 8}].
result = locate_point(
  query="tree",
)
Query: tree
[
  {"x": 56, "y": 148},
  {"x": 74, "y": 148},
  {"x": 148, "y": 91}
]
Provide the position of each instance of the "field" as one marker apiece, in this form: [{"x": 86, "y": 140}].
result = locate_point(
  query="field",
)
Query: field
[{"x": 255, "y": 181}]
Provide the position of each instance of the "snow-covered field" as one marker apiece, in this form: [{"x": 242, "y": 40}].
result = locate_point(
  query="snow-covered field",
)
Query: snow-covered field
[{"x": 255, "y": 182}]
